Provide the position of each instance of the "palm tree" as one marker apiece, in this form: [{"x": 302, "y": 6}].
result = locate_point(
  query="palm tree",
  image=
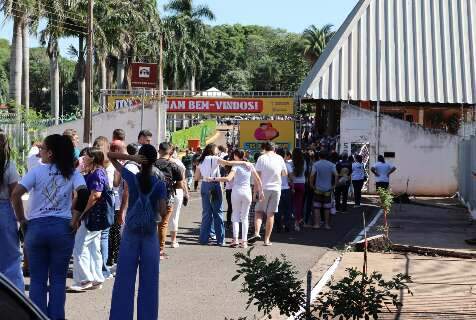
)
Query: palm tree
[
  {"x": 186, "y": 53},
  {"x": 315, "y": 40}
]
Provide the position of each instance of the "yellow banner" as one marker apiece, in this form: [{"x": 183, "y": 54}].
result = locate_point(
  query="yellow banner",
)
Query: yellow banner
[
  {"x": 127, "y": 101},
  {"x": 254, "y": 133}
]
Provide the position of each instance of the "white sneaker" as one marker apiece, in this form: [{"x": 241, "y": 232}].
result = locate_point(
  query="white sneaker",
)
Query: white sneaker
[
  {"x": 96, "y": 286},
  {"x": 175, "y": 245},
  {"x": 80, "y": 287}
]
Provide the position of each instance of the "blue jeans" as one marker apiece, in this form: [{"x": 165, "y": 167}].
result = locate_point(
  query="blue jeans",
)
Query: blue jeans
[
  {"x": 285, "y": 208},
  {"x": 105, "y": 252},
  {"x": 49, "y": 244},
  {"x": 212, "y": 213},
  {"x": 137, "y": 250},
  {"x": 10, "y": 258}
]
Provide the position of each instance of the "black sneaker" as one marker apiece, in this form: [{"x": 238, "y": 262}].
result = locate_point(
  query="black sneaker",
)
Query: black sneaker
[{"x": 254, "y": 238}]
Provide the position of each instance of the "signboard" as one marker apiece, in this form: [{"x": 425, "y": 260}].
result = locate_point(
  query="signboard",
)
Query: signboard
[
  {"x": 264, "y": 106},
  {"x": 144, "y": 75},
  {"x": 121, "y": 102},
  {"x": 254, "y": 133},
  {"x": 219, "y": 106}
]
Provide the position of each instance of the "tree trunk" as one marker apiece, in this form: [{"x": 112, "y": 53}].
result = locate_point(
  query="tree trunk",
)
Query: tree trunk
[
  {"x": 16, "y": 62},
  {"x": 192, "y": 84},
  {"x": 80, "y": 77},
  {"x": 120, "y": 72},
  {"x": 110, "y": 72},
  {"x": 103, "y": 82},
  {"x": 26, "y": 66},
  {"x": 54, "y": 79}
]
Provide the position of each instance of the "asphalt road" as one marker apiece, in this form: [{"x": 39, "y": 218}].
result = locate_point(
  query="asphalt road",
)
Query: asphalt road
[{"x": 195, "y": 282}]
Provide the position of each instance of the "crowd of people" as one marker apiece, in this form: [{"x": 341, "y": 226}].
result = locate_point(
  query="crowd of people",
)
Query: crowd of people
[{"x": 111, "y": 207}]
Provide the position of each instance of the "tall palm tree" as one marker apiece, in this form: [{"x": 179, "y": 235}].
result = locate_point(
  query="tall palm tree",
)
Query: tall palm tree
[
  {"x": 186, "y": 25},
  {"x": 315, "y": 40}
]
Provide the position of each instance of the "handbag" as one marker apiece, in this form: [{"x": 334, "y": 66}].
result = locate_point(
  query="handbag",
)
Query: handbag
[{"x": 101, "y": 215}]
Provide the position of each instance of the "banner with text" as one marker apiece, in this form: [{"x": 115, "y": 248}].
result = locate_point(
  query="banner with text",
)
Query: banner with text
[
  {"x": 264, "y": 106},
  {"x": 254, "y": 133},
  {"x": 128, "y": 101}
]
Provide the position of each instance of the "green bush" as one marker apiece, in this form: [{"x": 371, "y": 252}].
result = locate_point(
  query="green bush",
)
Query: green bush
[{"x": 202, "y": 131}]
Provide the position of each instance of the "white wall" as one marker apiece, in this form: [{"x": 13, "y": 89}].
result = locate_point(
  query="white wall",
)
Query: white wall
[
  {"x": 127, "y": 119},
  {"x": 427, "y": 159}
]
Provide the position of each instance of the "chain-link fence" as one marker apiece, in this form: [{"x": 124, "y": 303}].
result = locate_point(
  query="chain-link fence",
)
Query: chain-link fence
[{"x": 466, "y": 167}]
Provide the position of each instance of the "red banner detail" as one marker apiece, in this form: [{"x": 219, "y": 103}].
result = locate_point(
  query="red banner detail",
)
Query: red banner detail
[{"x": 210, "y": 105}]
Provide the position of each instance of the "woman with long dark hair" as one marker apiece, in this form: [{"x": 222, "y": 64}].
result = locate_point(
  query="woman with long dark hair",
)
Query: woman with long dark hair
[
  {"x": 10, "y": 259},
  {"x": 209, "y": 169},
  {"x": 87, "y": 258},
  {"x": 241, "y": 196},
  {"x": 49, "y": 235},
  {"x": 299, "y": 183},
  {"x": 140, "y": 244}
]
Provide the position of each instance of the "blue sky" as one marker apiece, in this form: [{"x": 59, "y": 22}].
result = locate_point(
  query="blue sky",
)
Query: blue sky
[{"x": 292, "y": 15}]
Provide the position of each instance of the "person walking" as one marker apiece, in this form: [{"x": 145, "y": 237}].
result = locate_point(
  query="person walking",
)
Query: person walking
[
  {"x": 49, "y": 235},
  {"x": 323, "y": 177},
  {"x": 140, "y": 244},
  {"x": 187, "y": 161},
  {"x": 299, "y": 169},
  {"x": 10, "y": 259},
  {"x": 344, "y": 170},
  {"x": 173, "y": 180},
  {"x": 211, "y": 193},
  {"x": 195, "y": 161},
  {"x": 180, "y": 198},
  {"x": 382, "y": 172},
  {"x": 358, "y": 178},
  {"x": 285, "y": 207},
  {"x": 241, "y": 196},
  {"x": 271, "y": 168},
  {"x": 87, "y": 257}
]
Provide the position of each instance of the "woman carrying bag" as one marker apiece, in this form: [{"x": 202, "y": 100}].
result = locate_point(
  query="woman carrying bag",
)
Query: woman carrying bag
[{"x": 140, "y": 244}]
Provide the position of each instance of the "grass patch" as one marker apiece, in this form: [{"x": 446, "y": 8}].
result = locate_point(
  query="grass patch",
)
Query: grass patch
[{"x": 202, "y": 131}]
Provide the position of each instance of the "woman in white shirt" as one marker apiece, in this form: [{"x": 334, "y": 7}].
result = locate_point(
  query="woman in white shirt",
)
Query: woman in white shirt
[
  {"x": 210, "y": 190},
  {"x": 358, "y": 178},
  {"x": 10, "y": 259},
  {"x": 241, "y": 196},
  {"x": 49, "y": 233}
]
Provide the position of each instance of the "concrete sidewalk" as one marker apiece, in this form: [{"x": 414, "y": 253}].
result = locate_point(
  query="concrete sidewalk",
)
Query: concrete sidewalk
[{"x": 443, "y": 288}]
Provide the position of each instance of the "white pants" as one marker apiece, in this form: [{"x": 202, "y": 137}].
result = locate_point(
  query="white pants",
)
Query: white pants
[
  {"x": 174, "y": 219},
  {"x": 87, "y": 258},
  {"x": 241, "y": 202}
]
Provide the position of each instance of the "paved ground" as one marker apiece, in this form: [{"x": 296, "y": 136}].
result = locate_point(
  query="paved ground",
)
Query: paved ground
[{"x": 195, "y": 282}]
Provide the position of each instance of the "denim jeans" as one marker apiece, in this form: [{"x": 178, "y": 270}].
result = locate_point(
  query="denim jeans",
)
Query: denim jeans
[
  {"x": 49, "y": 243},
  {"x": 87, "y": 256},
  {"x": 10, "y": 258},
  {"x": 212, "y": 213},
  {"x": 137, "y": 250},
  {"x": 285, "y": 210},
  {"x": 105, "y": 252}
]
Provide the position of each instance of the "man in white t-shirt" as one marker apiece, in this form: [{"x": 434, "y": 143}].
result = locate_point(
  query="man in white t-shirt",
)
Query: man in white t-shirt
[
  {"x": 382, "y": 172},
  {"x": 271, "y": 168}
]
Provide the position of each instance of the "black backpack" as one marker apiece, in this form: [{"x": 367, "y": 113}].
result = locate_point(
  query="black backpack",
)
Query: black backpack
[{"x": 164, "y": 173}]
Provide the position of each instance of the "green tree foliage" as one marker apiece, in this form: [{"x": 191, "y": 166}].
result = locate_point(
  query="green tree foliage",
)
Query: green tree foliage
[{"x": 253, "y": 58}]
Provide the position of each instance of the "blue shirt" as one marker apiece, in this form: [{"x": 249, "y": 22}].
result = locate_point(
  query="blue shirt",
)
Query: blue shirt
[{"x": 159, "y": 193}]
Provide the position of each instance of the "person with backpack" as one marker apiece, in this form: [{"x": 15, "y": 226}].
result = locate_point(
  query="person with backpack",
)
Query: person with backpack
[
  {"x": 172, "y": 177},
  {"x": 87, "y": 257},
  {"x": 49, "y": 232},
  {"x": 139, "y": 245}
]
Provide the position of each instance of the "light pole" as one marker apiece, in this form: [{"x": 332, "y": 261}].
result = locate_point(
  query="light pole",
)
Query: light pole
[{"x": 89, "y": 78}]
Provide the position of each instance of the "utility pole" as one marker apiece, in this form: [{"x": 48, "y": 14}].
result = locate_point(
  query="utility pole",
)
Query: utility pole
[
  {"x": 161, "y": 91},
  {"x": 89, "y": 77}
]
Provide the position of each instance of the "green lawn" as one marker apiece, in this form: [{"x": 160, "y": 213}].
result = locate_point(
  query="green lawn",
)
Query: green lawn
[{"x": 203, "y": 131}]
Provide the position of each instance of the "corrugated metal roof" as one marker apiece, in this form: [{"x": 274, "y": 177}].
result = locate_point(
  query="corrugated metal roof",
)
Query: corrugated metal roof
[{"x": 427, "y": 49}]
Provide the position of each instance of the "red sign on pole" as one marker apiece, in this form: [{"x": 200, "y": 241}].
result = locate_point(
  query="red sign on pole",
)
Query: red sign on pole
[{"x": 144, "y": 75}]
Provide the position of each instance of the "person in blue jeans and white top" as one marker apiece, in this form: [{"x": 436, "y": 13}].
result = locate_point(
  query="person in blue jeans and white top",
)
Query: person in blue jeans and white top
[
  {"x": 139, "y": 249},
  {"x": 10, "y": 258},
  {"x": 208, "y": 169},
  {"x": 49, "y": 232}
]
